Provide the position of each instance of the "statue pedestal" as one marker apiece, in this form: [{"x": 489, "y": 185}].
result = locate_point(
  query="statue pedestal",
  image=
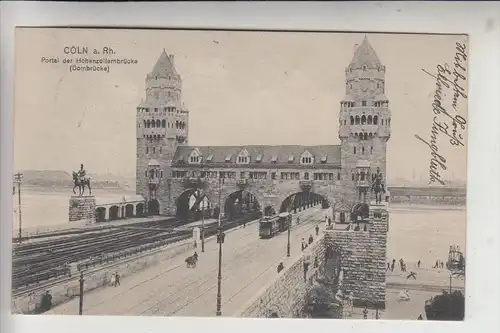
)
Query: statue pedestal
[{"x": 82, "y": 209}]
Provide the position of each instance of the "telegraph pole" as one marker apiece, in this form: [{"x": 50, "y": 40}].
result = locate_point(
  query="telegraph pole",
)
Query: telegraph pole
[
  {"x": 219, "y": 275},
  {"x": 18, "y": 179}
]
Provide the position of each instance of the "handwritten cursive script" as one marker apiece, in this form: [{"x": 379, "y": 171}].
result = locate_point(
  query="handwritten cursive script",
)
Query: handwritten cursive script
[{"x": 447, "y": 121}]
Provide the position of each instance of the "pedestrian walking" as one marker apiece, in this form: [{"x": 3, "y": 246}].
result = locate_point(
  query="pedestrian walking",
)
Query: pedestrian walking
[
  {"x": 298, "y": 219},
  {"x": 113, "y": 280},
  {"x": 304, "y": 244},
  {"x": 117, "y": 279},
  {"x": 317, "y": 230},
  {"x": 418, "y": 264},
  {"x": 310, "y": 239}
]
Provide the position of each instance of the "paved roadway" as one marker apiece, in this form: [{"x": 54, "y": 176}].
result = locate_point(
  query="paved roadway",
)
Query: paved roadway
[{"x": 249, "y": 263}]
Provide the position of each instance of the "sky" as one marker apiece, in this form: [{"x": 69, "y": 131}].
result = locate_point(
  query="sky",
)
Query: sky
[{"x": 241, "y": 88}]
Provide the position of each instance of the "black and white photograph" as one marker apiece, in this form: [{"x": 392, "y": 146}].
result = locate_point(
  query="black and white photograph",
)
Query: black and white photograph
[{"x": 233, "y": 173}]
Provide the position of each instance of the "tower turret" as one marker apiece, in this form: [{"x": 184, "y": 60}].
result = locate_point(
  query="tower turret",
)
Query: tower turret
[
  {"x": 364, "y": 116},
  {"x": 162, "y": 125}
]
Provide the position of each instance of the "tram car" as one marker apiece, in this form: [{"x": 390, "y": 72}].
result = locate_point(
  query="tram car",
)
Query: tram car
[{"x": 269, "y": 226}]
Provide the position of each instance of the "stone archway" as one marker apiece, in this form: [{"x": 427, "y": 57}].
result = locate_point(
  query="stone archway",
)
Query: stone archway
[
  {"x": 241, "y": 202},
  {"x": 154, "y": 207},
  {"x": 100, "y": 214},
  {"x": 295, "y": 201},
  {"x": 192, "y": 203},
  {"x": 113, "y": 213},
  {"x": 139, "y": 209},
  {"x": 360, "y": 211},
  {"x": 129, "y": 210}
]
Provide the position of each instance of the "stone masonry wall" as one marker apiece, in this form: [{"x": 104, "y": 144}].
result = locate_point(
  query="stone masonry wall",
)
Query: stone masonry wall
[
  {"x": 286, "y": 294},
  {"x": 82, "y": 209},
  {"x": 363, "y": 259}
]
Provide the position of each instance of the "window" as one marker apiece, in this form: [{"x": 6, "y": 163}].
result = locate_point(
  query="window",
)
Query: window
[
  {"x": 290, "y": 158},
  {"x": 146, "y": 174},
  {"x": 363, "y": 149},
  {"x": 330, "y": 176},
  {"x": 338, "y": 176},
  {"x": 375, "y": 120},
  {"x": 354, "y": 150},
  {"x": 163, "y": 123},
  {"x": 352, "y": 177},
  {"x": 369, "y": 120},
  {"x": 209, "y": 158},
  {"x": 273, "y": 175},
  {"x": 306, "y": 175},
  {"x": 363, "y": 119},
  {"x": 371, "y": 150},
  {"x": 352, "y": 120},
  {"x": 306, "y": 158},
  {"x": 259, "y": 158},
  {"x": 357, "y": 120},
  {"x": 156, "y": 109},
  {"x": 243, "y": 157},
  {"x": 363, "y": 103},
  {"x": 323, "y": 159},
  {"x": 228, "y": 158},
  {"x": 154, "y": 150},
  {"x": 147, "y": 150},
  {"x": 161, "y": 173},
  {"x": 160, "y": 150},
  {"x": 274, "y": 159}
]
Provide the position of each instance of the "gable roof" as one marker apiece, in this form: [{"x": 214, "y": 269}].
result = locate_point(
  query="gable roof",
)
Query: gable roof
[
  {"x": 365, "y": 55},
  {"x": 267, "y": 153}
]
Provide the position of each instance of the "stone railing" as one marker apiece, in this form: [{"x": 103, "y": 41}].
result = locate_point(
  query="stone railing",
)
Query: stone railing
[{"x": 285, "y": 295}]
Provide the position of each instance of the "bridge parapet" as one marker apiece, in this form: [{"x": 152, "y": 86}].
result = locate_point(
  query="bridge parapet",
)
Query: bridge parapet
[{"x": 285, "y": 295}]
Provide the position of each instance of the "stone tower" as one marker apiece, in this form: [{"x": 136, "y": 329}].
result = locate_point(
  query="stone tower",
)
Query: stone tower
[
  {"x": 364, "y": 117},
  {"x": 162, "y": 125}
]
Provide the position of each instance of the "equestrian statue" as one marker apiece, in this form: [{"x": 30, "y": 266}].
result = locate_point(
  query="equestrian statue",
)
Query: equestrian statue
[
  {"x": 378, "y": 187},
  {"x": 80, "y": 180}
]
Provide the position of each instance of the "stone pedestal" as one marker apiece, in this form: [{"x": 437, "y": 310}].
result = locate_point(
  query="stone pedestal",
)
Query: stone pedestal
[{"x": 82, "y": 209}]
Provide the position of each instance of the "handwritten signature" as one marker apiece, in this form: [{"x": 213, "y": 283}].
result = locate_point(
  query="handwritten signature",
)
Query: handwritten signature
[{"x": 451, "y": 125}]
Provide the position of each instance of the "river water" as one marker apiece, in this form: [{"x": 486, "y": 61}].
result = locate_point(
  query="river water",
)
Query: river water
[{"x": 416, "y": 232}]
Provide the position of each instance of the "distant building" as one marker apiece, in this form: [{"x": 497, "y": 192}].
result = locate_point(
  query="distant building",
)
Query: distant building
[{"x": 169, "y": 170}]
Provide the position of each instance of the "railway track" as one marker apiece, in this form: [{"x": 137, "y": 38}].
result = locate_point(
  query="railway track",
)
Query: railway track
[{"x": 34, "y": 263}]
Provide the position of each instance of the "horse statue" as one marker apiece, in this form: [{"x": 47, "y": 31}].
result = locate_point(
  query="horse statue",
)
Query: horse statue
[
  {"x": 81, "y": 182},
  {"x": 378, "y": 187}
]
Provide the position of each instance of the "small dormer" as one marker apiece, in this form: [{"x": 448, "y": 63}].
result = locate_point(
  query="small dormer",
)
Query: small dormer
[
  {"x": 291, "y": 158},
  {"x": 306, "y": 158},
  {"x": 195, "y": 156},
  {"x": 274, "y": 159},
  {"x": 258, "y": 159},
  {"x": 324, "y": 159},
  {"x": 210, "y": 158},
  {"x": 243, "y": 157},
  {"x": 228, "y": 158}
]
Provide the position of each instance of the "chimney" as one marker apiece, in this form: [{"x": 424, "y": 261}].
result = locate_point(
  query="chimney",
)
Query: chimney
[{"x": 171, "y": 58}]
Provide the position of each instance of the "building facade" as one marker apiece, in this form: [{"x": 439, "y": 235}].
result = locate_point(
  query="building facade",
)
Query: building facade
[{"x": 278, "y": 178}]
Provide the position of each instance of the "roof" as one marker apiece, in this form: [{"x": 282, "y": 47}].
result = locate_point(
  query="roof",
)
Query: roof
[
  {"x": 119, "y": 199},
  {"x": 261, "y": 154},
  {"x": 164, "y": 66},
  {"x": 365, "y": 55}
]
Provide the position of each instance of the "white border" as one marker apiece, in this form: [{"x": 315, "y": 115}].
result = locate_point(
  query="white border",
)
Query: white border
[{"x": 481, "y": 20}]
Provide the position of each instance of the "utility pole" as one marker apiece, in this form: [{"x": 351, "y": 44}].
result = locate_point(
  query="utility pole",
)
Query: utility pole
[
  {"x": 80, "y": 310},
  {"x": 219, "y": 275},
  {"x": 18, "y": 179}
]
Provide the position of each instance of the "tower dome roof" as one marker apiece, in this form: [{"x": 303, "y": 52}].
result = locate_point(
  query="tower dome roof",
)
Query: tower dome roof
[
  {"x": 365, "y": 55},
  {"x": 164, "y": 65}
]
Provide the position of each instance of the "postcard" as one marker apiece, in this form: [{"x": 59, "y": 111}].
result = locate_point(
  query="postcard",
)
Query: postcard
[{"x": 272, "y": 174}]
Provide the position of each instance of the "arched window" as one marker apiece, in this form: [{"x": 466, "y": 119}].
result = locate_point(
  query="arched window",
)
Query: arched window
[
  {"x": 160, "y": 150},
  {"x": 158, "y": 123},
  {"x": 153, "y": 123},
  {"x": 154, "y": 150},
  {"x": 148, "y": 124},
  {"x": 369, "y": 120},
  {"x": 352, "y": 120},
  {"x": 357, "y": 120},
  {"x": 354, "y": 150},
  {"x": 363, "y": 149},
  {"x": 366, "y": 136},
  {"x": 145, "y": 123},
  {"x": 163, "y": 123},
  {"x": 357, "y": 175},
  {"x": 345, "y": 122},
  {"x": 375, "y": 120},
  {"x": 176, "y": 124},
  {"x": 362, "y": 175},
  {"x": 363, "y": 120},
  {"x": 370, "y": 136},
  {"x": 338, "y": 176}
]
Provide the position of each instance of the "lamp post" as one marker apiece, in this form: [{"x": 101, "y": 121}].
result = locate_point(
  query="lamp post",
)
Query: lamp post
[
  {"x": 17, "y": 179},
  {"x": 80, "y": 308},
  {"x": 219, "y": 275}
]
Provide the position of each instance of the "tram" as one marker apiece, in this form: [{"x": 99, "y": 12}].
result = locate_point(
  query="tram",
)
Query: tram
[{"x": 273, "y": 225}]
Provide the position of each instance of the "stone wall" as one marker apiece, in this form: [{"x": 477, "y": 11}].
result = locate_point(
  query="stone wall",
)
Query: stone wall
[
  {"x": 363, "y": 259},
  {"x": 82, "y": 209},
  {"x": 285, "y": 296}
]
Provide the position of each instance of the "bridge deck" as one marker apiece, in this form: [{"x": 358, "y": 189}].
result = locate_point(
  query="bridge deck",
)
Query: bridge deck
[{"x": 248, "y": 264}]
